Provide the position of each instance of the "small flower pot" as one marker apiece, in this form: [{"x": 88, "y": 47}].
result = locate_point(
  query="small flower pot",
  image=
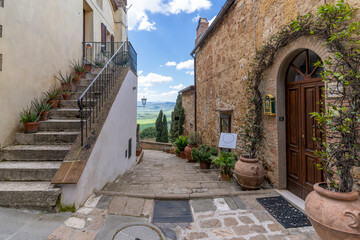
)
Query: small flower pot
[
  {"x": 225, "y": 176},
  {"x": 55, "y": 103},
  {"x": 87, "y": 67},
  {"x": 188, "y": 152},
  {"x": 66, "y": 86},
  {"x": 31, "y": 127},
  {"x": 138, "y": 152},
  {"x": 66, "y": 96},
  {"x": 204, "y": 165},
  {"x": 182, "y": 155},
  {"x": 44, "y": 116}
]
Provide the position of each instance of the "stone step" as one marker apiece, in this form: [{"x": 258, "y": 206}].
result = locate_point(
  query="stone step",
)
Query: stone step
[
  {"x": 60, "y": 125},
  {"x": 28, "y": 171},
  {"x": 67, "y": 113},
  {"x": 36, "y": 195},
  {"x": 34, "y": 152},
  {"x": 46, "y": 138},
  {"x": 89, "y": 94},
  {"x": 71, "y": 104},
  {"x": 82, "y": 88}
]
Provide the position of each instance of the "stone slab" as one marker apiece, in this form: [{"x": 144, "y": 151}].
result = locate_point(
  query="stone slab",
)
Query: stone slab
[
  {"x": 171, "y": 212},
  {"x": 203, "y": 205}
]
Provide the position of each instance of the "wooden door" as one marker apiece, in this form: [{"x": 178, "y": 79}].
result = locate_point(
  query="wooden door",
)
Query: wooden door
[{"x": 303, "y": 96}]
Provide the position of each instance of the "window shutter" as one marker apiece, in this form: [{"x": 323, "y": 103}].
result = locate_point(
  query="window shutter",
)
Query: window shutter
[{"x": 103, "y": 36}]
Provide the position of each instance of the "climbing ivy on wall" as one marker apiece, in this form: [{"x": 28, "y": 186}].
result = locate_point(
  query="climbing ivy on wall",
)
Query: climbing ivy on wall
[{"x": 334, "y": 24}]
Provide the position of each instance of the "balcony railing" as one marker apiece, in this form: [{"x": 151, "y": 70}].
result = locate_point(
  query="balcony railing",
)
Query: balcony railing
[{"x": 111, "y": 61}]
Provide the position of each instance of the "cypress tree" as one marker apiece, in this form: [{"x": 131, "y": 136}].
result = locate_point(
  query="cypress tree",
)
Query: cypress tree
[
  {"x": 177, "y": 125},
  {"x": 158, "y": 126},
  {"x": 164, "y": 131}
]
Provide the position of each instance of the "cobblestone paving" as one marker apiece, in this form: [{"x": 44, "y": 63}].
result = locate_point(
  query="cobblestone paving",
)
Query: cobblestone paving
[
  {"x": 165, "y": 174},
  {"x": 228, "y": 217}
]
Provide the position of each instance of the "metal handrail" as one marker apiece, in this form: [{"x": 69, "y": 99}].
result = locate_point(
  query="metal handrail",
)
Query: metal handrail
[{"x": 99, "y": 89}]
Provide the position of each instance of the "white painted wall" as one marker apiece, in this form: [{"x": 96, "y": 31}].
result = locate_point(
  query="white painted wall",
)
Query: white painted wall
[{"x": 107, "y": 160}]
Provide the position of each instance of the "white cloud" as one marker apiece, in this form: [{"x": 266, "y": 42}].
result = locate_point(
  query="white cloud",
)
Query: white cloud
[
  {"x": 152, "y": 78},
  {"x": 189, "y": 64},
  {"x": 178, "y": 87},
  {"x": 196, "y": 18},
  {"x": 190, "y": 73},
  {"x": 170, "y": 64},
  {"x": 212, "y": 20},
  {"x": 154, "y": 96},
  {"x": 139, "y": 20},
  {"x": 140, "y": 72}
]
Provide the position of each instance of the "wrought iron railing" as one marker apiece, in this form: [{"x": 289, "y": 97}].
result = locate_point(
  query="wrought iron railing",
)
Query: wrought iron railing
[{"x": 95, "y": 95}]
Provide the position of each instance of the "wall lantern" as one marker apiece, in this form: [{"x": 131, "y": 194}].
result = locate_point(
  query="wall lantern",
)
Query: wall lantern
[
  {"x": 143, "y": 101},
  {"x": 269, "y": 105}
]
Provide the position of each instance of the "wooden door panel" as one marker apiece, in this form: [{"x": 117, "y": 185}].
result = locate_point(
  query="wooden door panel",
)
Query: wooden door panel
[
  {"x": 294, "y": 164},
  {"x": 293, "y": 117},
  {"x": 309, "y": 128}
]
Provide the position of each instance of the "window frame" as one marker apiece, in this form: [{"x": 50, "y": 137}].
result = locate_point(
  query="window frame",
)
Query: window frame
[{"x": 226, "y": 116}]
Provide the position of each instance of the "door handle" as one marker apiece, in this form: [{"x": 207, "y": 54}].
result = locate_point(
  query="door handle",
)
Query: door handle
[{"x": 303, "y": 136}]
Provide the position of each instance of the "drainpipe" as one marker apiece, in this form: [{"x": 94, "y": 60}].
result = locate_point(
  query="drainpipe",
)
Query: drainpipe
[{"x": 195, "y": 98}]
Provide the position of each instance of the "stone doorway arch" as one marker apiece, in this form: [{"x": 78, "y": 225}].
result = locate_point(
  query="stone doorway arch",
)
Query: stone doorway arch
[{"x": 274, "y": 83}]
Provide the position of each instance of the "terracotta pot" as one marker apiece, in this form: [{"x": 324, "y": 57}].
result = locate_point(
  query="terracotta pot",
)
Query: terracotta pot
[
  {"x": 87, "y": 67},
  {"x": 225, "y": 176},
  {"x": 44, "y": 116},
  {"x": 66, "y": 96},
  {"x": 54, "y": 103},
  {"x": 249, "y": 173},
  {"x": 177, "y": 154},
  {"x": 172, "y": 151},
  {"x": 31, "y": 127},
  {"x": 66, "y": 86},
  {"x": 182, "y": 155},
  {"x": 188, "y": 152},
  {"x": 138, "y": 152},
  {"x": 204, "y": 165},
  {"x": 333, "y": 215}
]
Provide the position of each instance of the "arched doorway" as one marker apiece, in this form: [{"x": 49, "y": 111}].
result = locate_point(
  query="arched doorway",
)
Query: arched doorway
[{"x": 304, "y": 87}]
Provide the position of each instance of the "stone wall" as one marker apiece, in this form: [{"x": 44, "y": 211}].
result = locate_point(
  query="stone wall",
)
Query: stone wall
[
  {"x": 222, "y": 63},
  {"x": 155, "y": 145},
  {"x": 188, "y": 101}
]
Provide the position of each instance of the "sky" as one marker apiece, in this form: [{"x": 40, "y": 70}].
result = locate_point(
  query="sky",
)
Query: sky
[{"x": 163, "y": 35}]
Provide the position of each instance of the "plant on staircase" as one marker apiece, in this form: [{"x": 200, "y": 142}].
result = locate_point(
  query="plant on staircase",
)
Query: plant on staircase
[
  {"x": 203, "y": 155},
  {"x": 42, "y": 108},
  {"x": 66, "y": 95},
  {"x": 52, "y": 95},
  {"x": 78, "y": 68},
  {"x": 30, "y": 118},
  {"x": 180, "y": 143},
  {"x": 65, "y": 81}
]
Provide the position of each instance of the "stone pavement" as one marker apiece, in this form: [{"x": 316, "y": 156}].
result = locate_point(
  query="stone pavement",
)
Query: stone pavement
[
  {"x": 163, "y": 175},
  {"x": 28, "y": 225},
  {"x": 227, "y": 218}
]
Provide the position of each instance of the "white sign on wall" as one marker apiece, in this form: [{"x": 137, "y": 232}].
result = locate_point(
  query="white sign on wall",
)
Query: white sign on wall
[{"x": 228, "y": 140}]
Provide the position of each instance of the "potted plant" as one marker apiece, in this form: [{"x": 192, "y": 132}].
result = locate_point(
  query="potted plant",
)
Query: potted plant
[
  {"x": 30, "y": 118},
  {"x": 138, "y": 150},
  {"x": 226, "y": 161},
  {"x": 248, "y": 170},
  {"x": 52, "y": 96},
  {"x": 181, "y": 143},
  {"x": 203, "y": 155},
  {"x": 333, "y": 207},
  {"x": 177, "y": 152},
  {"x": 42, "y": 108},
  {"x": 78, "y": 69},
  {"x": 65, "y": 81},
  {"x": 193, "y": 141},
  {"x": 66, "y": 95},
  {"x": 100, "y": 63}
]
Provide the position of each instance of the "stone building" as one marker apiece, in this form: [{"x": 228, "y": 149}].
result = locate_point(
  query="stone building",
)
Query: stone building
[
  {"x": 222, "y": 56},
  {"x": 188, "y": 103}
]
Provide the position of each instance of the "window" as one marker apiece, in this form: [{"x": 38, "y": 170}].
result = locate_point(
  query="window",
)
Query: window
[
  {"x": 0, "y": 31},
  {"x": 225, "y": 123},
  {"x": 129, "y": 147},
  {"x": 99, "y": 2},
  {"x": 0, "y": 62},
  {"x": 103, "y": 37}
]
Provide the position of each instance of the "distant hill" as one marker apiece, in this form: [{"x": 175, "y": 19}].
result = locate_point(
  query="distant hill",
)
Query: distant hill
[{"x": 146, "y": 117}]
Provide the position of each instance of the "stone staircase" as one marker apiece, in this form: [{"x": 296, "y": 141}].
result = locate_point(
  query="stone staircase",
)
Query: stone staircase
[{"x": 27, "y": 167}]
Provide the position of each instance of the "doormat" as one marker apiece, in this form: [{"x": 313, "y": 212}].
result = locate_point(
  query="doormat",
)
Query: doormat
[
  {"x": 284, "y": 212},
  {"x": 172, "y": 212}
]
